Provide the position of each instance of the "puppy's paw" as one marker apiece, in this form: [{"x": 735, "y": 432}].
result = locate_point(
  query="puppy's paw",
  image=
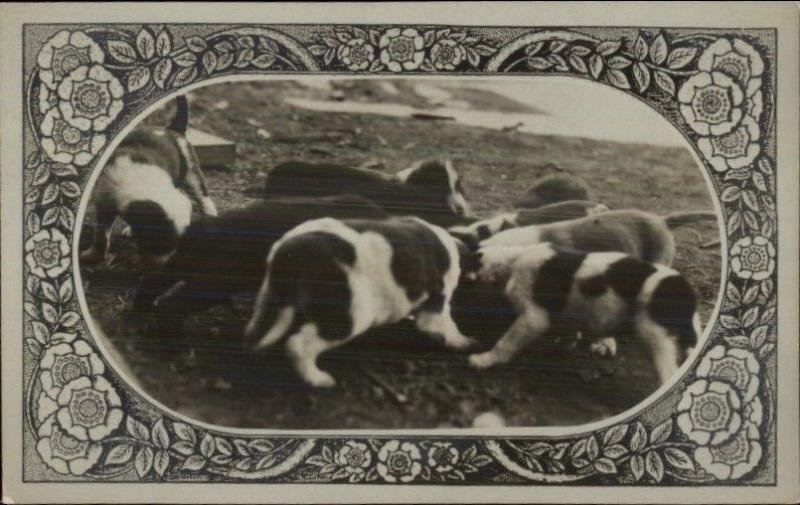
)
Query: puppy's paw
[
  {"x": 320, "y": 379},
  {"x": 482, "y": 360},
  {"x": 459, "y": 342},
  {"x": 605, "y": 347}
]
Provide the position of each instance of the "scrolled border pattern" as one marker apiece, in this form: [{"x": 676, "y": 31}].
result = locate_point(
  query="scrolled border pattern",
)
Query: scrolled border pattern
[{"x": 716, "y": 426}]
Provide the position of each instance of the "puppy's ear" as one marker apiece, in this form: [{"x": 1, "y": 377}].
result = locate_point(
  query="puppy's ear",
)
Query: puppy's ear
[
  {"x": 464, "y": 239},
  {"x": 469, "y": 258}
]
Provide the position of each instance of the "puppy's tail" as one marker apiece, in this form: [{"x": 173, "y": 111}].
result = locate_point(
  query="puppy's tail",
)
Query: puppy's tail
[
  {"x": 180, "y": 122},
  {"x": 677, "y": 219}
]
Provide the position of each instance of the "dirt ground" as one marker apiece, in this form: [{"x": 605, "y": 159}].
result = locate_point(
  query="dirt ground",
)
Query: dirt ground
[{"x": 395, "y": 378}]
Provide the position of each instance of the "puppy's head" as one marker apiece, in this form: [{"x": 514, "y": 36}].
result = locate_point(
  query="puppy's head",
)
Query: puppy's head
[
  {"x": 156, "y": 229},
  {"x": 469, "y": 257},
  {"x": 440, "y": 180}
]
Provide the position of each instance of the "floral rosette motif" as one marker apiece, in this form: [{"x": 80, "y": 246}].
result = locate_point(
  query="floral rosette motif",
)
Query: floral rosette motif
[
  {"x": 442, "y": 457},
  {"x": 65, "y": 52},
  {"x": 65, "y": 362},
  {"x": 447, "y": 54},
  {"x": 89, "y": 409},
  {"x": 735, "y": 149},
  {"x": 753, "y": 258},
  {"x": 737, "y": 59},
  {"x": 399, "y": 461},
  {"x": 708, "y": 412},
  {"x": 711, "y": 103},
  {"x": 734, "y": 458},
  {"x": 357, "y": 54},
  {"x": 65, "y": 453},
  {"x": 68, "y": 144},
  {"x": 91, "y": 98},
  {"x": 401, "y": 49},
  {"x": 354, "y": 457},
  {"x": 737, "y": 367},
  {"x": 47, "y": 253}
]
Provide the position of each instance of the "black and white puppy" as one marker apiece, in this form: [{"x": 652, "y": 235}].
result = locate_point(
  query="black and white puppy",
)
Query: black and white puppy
[
  {"x": 142, "y": 184},
  {"x": 220, "y": 257},
  {"x": 430, "y": 189},
  {"x": 329, "y": 281},
  {"x": 643, "y": 235},
  {"x": 597, "y": 294},
  {"x": 554, "y": 188},
  {"x": 478, "y": 231}
]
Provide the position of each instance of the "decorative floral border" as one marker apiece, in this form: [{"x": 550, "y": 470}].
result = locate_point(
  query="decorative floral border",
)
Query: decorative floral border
[{"x": 716, "y": 426}]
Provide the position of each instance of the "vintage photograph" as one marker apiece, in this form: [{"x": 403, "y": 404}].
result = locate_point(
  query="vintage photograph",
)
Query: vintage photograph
[{"x": 339, "y": 253}]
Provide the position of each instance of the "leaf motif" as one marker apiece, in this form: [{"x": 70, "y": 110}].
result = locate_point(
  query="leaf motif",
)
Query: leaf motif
[
  {"x": 244, "y": 464},
  {"x": 578, "y": 63},
  {"x": 146, "y": 44},
  {"x": 34, "y": 346},
  {"x": 33, "y": 223},
  {"x": 185, "y": 59},
  {"x": 580, "y": 462},
  {"x": 261, "y": 445},
  {"x": 540, "y": 448},
  {"x": 31, "y": 309},
  {"x": 138, "y": 79},
  {"x": 50, "y": 216},
  {"x": 161, "y": 72},
  {"x": 608, "y": 47},
  {"x": 619, "y": 62},
  {"x": 69, "y": 318},
  {"x": 473, "y": 57},
  {"x": 615, "y": 434},
  {"x": 750, "y": 295},
  {"x": 738, "y": 174},
  {"x": 196, "y": 44},
  {"x": 50, "y": 313},
  {"x": 605, "y": 465},
  {"x": 428, "y": 38},
  {"x": 246, "y": 42},
  {"x": 654, "y": 466},
  {"x": 539, "y": 63},
  {"x": 665, "y": 82},
  {"x": 766, "y": 290},
  {"x": 223, "y": 446},
  {"x": 592, "y": 448},
  {"x": 33, "y": 195},
  {"x": 316, "y": 460},
  {"x": 207, "y": 445},
  {"x": 485, "y": 49},
  {"x": 640, "y": 48},
  {"x": 163, "y": 43},
  {"x": 137, "y": 429},
  {"x": 121, "y": 51},
  {"x": 766, "y": 349},
  {"x": 661, "y": 432},
  {"x": 680, "y": 57},
  {"x": 558, "y": 61},
  {"x": 639, "y": 438},
  {"x": 580, "y": 50},
  {"x": 730, "y": 194},
  {"x": 618, "y": 78},
  {"x": 49, "y": 291},
  {"x": 578, "y": 449},
  {"x": 557, "y": 46},
  {"x": 221, "y": 459},
  {"x": 317, "y": 49},
  {"x": 637, "y": 467},
  {"x": 729, "y": 322},
  {"x": 264, "y": 61},
  {"x": 66, "y": 218},
  {"x": 481, "y": 460},
  {"x": 265, "y": 461},
  {"x": 344, "y": 37},
  {"x": 751, "y": 220},
  {"x": 559, "y": 450},
  {"x": 224, "y": 61},
  {"x": 70, "y": 189},
  {"x": 244, "y": 58},
  {"x": 767, "y": 202},
  {"x": 739, "y": 341},
  {"x": 161, "y": 462},
  {"x": 119, "y": 454},
  {"x": 659, "y": 50},
  {"x": 641, "y": 75},
  {"x": 733, "y": 293},
  {"x": 678, "y": 458},
  {"x": 759, "y": 336},
  {"x": 765, "y": 165},
  {"x": 159, "y": 434},
  {"x": 32, "y": 284},
  {"x": 144, "y": 461},
  {"x": 51, "y": 192},
  {"x": 749, "y": 198},
  {"x": 241, "y": 446},
  {"x": 614, "y": 451},
  {"x": 40, "y": 332},
  {"x": 209, "y": 61},
  {"x": 41, "y": 175},
  {"x": 374, "y": 37},
  {"x": 470, "y": 453},
  {"x": 184, "y": 76},
  {"x": 183, "y": 447},
  {"x": 596, "y": 65},
  {"x": 734, "y": 222},
  {"x": 194, "y": 463}
]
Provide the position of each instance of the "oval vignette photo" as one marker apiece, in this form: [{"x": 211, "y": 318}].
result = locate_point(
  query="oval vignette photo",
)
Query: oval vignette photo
[{"x": 443, "y": 253}]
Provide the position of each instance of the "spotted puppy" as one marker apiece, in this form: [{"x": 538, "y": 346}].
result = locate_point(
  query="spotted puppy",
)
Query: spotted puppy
[
  {"x": 478, "y": 231},
  {"x": 429, "y": 189},
  {"x": 597, "y": 294},
  {"x": 142, "y": 184},
  {"x": 643, "y": 235},
  {"x": 554, "y": 188},
  {"x": 329, "y": 281}
]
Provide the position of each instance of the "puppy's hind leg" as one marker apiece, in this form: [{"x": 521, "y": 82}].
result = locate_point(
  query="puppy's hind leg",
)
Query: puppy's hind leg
[
  {"x": 303, "y": 348},
  {"x": 435, "y": 319},
  {"x": 663, "y": 349}
]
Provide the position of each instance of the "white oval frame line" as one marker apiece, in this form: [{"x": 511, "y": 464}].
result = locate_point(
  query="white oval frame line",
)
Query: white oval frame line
[{"x": 531, "y": 431}]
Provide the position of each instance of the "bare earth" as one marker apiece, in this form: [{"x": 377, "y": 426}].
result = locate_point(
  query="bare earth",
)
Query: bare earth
[{"x": 395, "y": 378}]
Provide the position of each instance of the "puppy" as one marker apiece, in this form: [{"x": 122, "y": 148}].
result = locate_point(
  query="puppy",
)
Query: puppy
[
  {"x": 220, "y": 257},
  {"x": 645, "y": 236},
  {"x": 329, "y": 281},
  {"x": 598, "y": 294},
  {"x": 142, "y": 184},
  {"x": 554, "y": 188},
  {"x": 475, "y": 232},
  {"x": 429, "y": 189}
]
